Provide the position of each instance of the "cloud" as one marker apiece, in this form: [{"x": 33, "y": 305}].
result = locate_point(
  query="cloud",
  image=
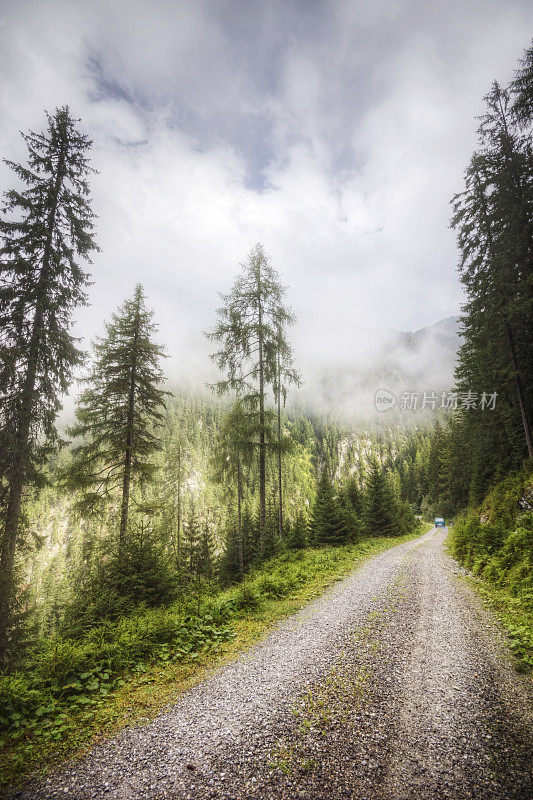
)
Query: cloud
[{"x": 335, "y": 133}]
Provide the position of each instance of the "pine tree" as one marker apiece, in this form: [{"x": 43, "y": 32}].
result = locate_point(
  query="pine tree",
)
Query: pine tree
[
  {"x": 494, "y": 220},
  {"x": 251, "y": 330},
  {"x": 174, "y": 472},
  {"x": 328, "y": 523},
  {"x": 119, "y": 413},
  {"x": 522, "y": 88},
  {"x": 46, "y": 230},
  {"x": 380, "y": 514}
]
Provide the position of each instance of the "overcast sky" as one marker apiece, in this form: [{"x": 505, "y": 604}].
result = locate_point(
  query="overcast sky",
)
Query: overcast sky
[{"x": 333, "y": 131}]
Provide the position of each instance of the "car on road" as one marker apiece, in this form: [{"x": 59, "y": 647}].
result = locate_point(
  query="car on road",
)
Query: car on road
[{"x": 439, "y": 522}]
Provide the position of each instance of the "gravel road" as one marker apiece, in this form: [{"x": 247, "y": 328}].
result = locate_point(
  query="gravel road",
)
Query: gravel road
[{"x": 395, "y": 684}]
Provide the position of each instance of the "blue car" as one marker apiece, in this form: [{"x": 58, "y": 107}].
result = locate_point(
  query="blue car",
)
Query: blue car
[{"x": 439, "y": 522}]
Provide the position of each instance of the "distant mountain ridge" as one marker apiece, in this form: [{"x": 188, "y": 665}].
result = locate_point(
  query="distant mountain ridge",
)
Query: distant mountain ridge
[{"x": 405, "y": 361}]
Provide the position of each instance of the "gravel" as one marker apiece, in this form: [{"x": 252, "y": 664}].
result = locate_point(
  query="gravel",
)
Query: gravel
[{"x": 394, "y": 684}]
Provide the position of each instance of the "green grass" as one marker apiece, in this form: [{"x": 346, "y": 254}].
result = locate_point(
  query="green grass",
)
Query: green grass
[
  {"x": 74, "y": 692},
  {"x": 516, "y": 617},
  {"x": 495, "y": 542}
]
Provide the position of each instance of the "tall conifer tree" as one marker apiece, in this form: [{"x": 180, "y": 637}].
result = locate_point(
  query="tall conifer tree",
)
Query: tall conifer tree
[
  {"x": 522, "y": 89},
  {"x": 46, "y": 231},
  {"x": 120, "y": 411},
  {"x": 494, "y": 220},
  {"x": 251, "y": 330}
]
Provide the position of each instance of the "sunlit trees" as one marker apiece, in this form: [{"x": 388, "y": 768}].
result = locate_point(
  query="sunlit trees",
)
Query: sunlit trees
[
  {"x": 46, "y": 233},
  {"x": 232, "y": 458},
  {"x": 251, "y": 332}
]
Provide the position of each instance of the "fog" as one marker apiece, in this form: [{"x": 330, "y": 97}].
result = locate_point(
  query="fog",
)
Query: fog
[{"x": 335, "y": 133}]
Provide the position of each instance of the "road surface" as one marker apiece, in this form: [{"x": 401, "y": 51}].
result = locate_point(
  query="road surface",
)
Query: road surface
[{"x": 395, "y": 684}]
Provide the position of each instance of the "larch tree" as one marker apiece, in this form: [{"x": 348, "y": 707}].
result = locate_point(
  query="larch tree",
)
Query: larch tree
[
  {"x": 120, "y": 411},
  {"x": 46, "y": 231},
  {"x": 251, "y": 328}
]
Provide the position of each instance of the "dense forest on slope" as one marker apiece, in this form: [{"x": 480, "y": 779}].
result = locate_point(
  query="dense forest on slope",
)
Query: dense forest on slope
[{"x": 187, "y": 506}]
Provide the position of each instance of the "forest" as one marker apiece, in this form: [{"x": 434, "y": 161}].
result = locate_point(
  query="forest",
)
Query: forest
[{"x": 141, "y": 530}]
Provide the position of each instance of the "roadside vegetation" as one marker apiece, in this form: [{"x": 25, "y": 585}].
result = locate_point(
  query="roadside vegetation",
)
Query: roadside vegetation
[
  {"x": 495, "y": 542},
  {"x": 75, "y": 689}
]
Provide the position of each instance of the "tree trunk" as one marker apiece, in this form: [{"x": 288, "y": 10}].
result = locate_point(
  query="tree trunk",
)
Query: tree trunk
[
  {"x": 280, "y": 488},
  {"x": 519, "y": 390},
  {"x": 17, "y": 478},
  {"x": 179, "y": 508},
  {"x": 239, "y": 515},
  {"x": 128, "y": 458},
  {"x": 262, "y": 446}
]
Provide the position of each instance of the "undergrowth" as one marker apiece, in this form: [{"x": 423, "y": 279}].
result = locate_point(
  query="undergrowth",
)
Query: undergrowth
[
  {"x": 75, "y": 688},
  {"x": 495, "y": 542}
]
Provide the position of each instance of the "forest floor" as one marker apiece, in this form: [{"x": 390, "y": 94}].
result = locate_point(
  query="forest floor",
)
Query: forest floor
[{"x": 394, "y": 684}]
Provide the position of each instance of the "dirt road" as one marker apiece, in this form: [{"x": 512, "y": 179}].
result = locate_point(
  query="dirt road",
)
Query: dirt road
[{"x": 395, "y": 684}]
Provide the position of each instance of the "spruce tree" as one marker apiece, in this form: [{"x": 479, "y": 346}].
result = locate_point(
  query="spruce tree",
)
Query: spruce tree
[
  {"x": 495, "y": 235},
  {"x": 205, "y": 552},
  {"x": 328, "y": 524},
  {"x": 120, "y": 411},
  {"x": 46, "y": 231},
  {"x": 522, "y": 89},
  {"x": 380, "y": 513},
  {"x": 251, "y": 331}
]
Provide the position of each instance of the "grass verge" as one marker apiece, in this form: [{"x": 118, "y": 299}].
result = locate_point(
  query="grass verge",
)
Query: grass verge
[
  {"x": 78, "y": 695},
  {"x": 516, "y": 618}
]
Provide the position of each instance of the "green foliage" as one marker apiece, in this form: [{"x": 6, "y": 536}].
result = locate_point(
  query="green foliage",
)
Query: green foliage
[
  {"x": 67, "y": 680},
  {"x": 117, "y": 583},
  {"x": 46, "y": 230},
  {"x": 329, "y": 524},
  {"x": 380, "y": 508},
  {"x": 495, "y": 542},
  {"x": 119, "y": 411}
]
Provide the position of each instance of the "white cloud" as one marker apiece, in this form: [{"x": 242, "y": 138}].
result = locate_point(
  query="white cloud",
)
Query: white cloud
[{"x": 334, "y": 133}]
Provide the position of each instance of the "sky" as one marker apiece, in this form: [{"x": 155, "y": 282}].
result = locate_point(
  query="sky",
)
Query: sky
[{"x": 333, "y": 131}]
